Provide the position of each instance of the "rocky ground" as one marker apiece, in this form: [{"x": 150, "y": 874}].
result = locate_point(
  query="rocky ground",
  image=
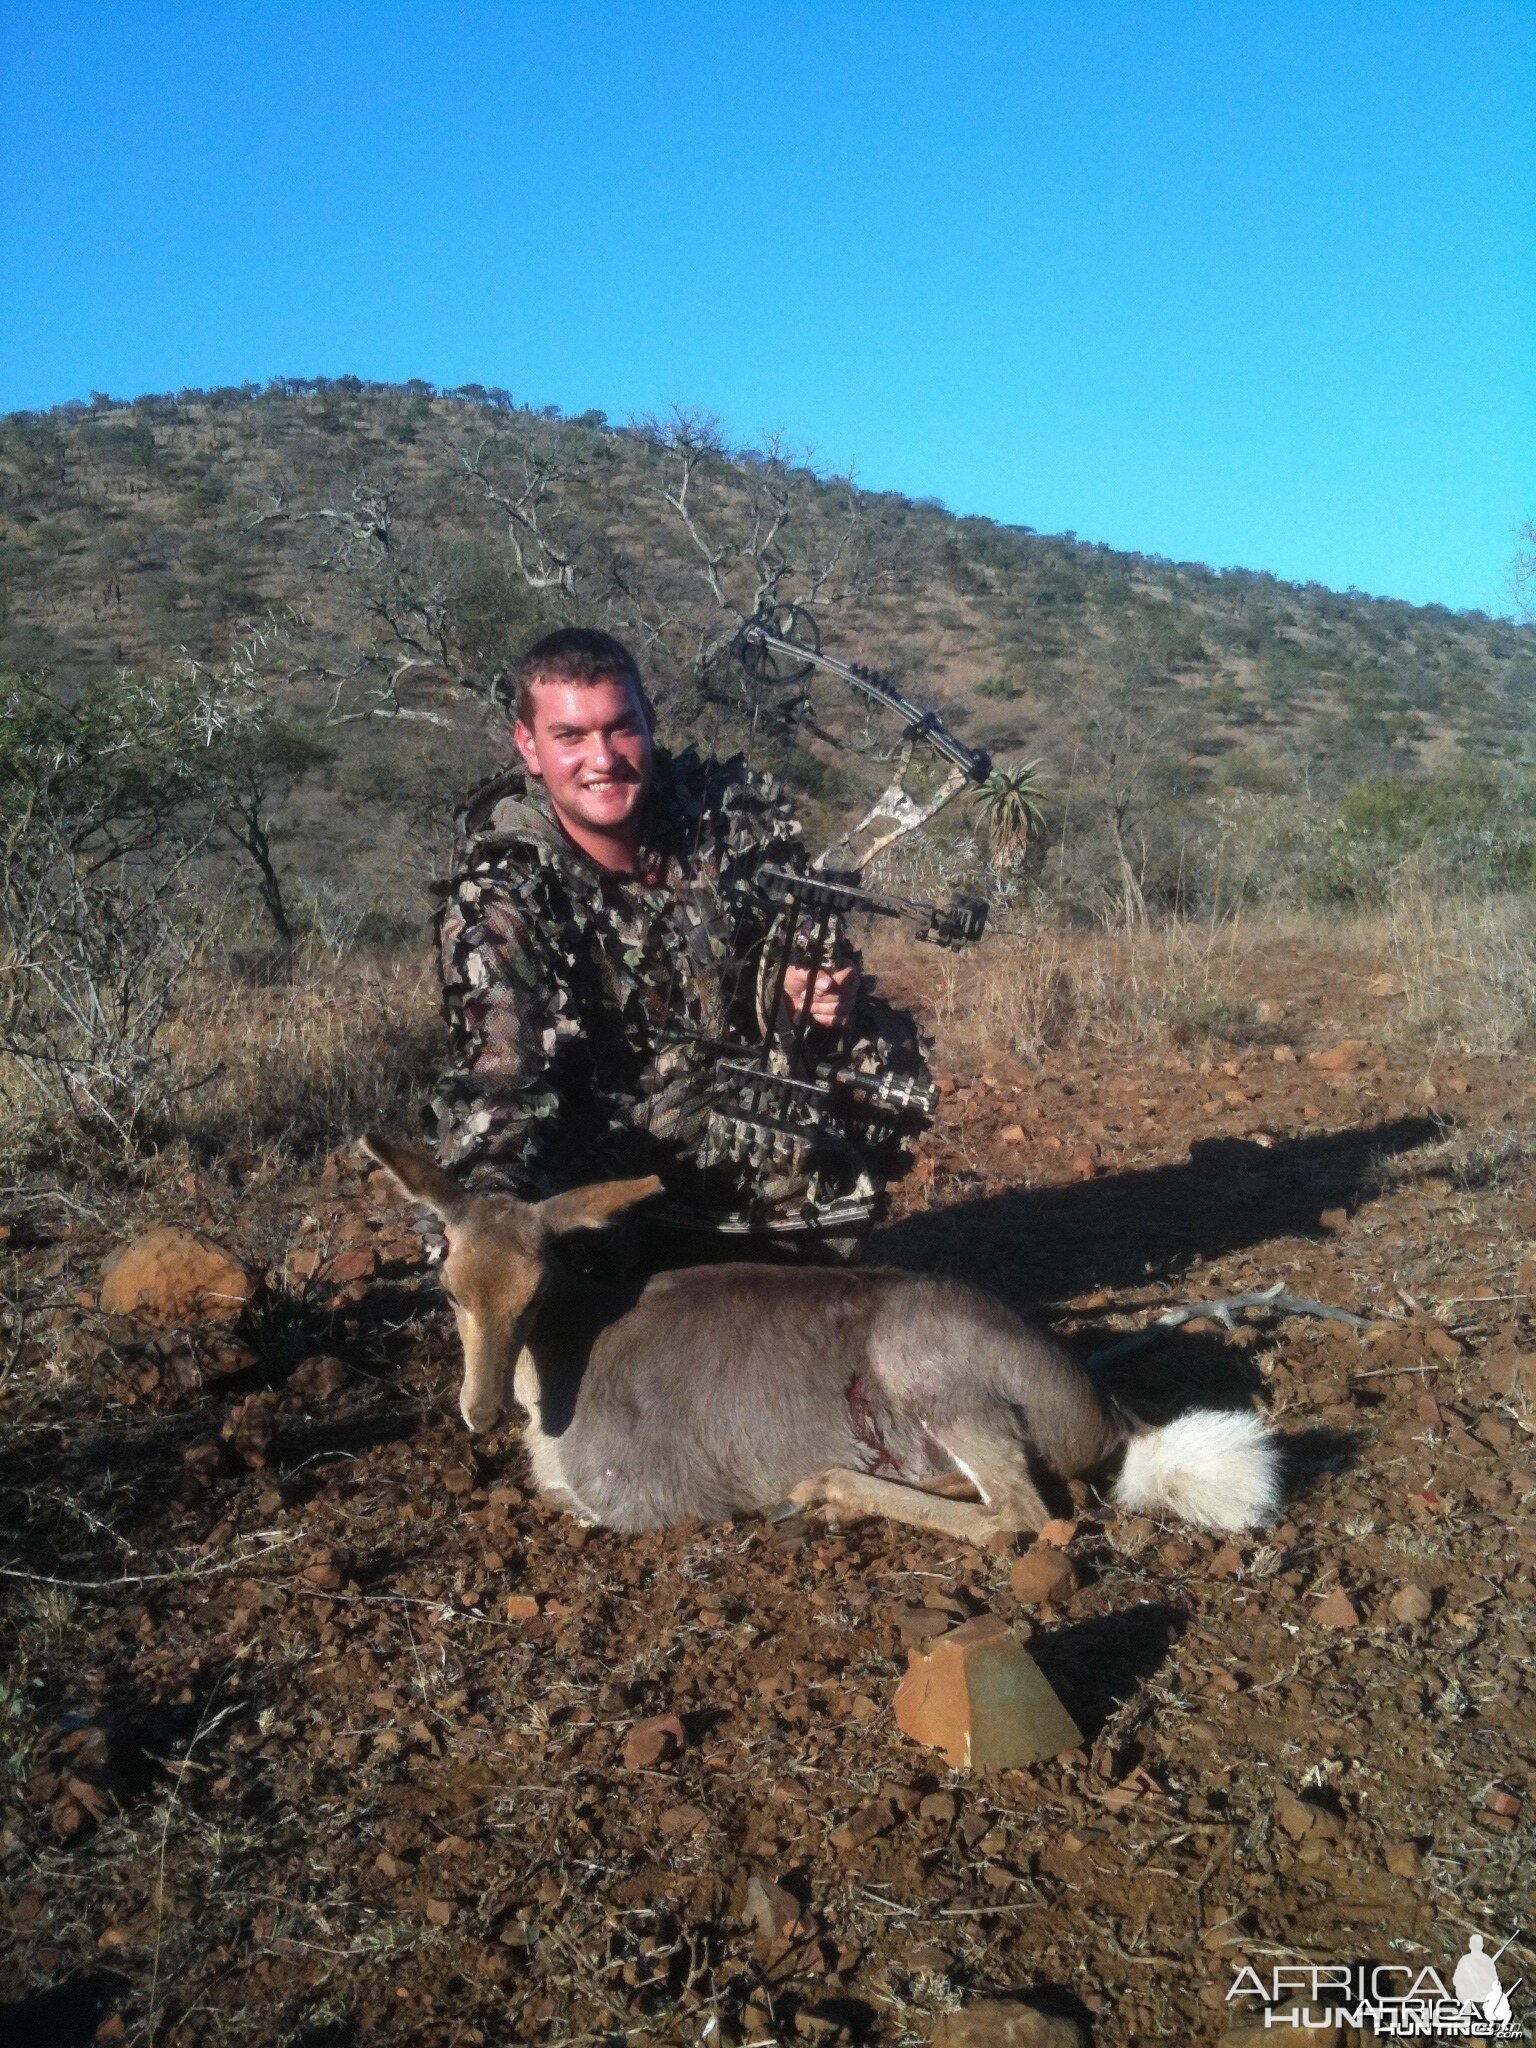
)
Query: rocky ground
[{"x": 318, "y": 1729}]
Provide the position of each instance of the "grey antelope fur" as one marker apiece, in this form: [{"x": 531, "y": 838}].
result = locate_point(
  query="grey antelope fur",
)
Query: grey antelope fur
[{"x": 722, "y": 1389}]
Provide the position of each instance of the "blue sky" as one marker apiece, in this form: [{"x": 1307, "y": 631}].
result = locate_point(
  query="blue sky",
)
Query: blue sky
[{"x": 1248, "y": 284}]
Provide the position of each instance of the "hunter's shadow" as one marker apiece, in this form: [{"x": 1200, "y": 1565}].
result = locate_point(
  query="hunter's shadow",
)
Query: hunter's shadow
[
  {"x": 137, "y": 1467},
  {"x": 1032, "y": 1244}
]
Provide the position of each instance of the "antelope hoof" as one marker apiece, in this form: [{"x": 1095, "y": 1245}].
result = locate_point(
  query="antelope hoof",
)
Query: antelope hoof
[{"x": 810, "y": 1493}]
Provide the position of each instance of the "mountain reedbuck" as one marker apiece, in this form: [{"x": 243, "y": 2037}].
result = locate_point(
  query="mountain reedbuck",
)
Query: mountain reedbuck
[{"x": 722, "y": 1389}]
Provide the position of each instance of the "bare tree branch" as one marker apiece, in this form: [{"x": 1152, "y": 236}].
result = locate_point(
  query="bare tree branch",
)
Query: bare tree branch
[
  {"x": 1523, "y": 581},
  {"x": 543, "y": 562}
]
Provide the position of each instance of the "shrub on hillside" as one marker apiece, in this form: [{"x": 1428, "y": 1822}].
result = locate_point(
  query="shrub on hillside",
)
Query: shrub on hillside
[
  {"x": 1471, "y": 832},
  {"x": 94, "y": 796},
  {"x": 107, "y": 801},
  {"x": 1475, "y": 831}
]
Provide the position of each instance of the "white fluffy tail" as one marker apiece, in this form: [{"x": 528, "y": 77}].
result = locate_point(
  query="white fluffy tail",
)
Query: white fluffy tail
[{"x": 1215, "y": 1467}]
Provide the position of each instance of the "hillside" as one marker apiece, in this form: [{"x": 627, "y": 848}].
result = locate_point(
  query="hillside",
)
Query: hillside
[{"x": 407, "y": 542}]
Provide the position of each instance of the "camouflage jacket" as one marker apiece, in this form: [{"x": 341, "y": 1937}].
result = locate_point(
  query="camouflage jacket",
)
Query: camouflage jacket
[{"x": 557, "y": 976}]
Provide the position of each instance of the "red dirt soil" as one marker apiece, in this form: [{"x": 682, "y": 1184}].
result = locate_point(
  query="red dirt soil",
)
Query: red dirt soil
[{"x": 317, "y": 1723}]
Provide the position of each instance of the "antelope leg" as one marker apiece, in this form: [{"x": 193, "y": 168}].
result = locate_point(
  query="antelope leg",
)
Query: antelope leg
[{"x": 847, "y": 1495}]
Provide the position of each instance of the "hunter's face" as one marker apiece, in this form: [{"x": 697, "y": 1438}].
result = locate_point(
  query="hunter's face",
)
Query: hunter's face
[{"x": 591, "y": 745}]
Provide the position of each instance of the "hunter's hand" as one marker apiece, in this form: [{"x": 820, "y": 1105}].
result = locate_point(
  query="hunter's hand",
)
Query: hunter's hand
[{"x": 837, "y": 990}]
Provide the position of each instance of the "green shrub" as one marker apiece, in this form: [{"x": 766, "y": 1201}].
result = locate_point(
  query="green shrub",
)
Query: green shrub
[
  {"x": 1472, "y": 832},
  {"x": 1474, "y": 828}
]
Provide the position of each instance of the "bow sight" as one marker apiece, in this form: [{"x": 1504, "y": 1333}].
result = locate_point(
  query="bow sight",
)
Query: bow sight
[
  {"x": 802, "y": 1109},
  {"x": 807, "y": 914}
]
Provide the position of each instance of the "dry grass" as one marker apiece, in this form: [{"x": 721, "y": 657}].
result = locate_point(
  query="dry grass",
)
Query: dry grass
[
  {"x": 1469, "y": 967},
  {"x": 296, "y": 1062},
  {"x": 307, "y": 1061},
  {"x": 1053, "y": 989},
  {"x": 289, "y": 1064},
  {"x": 1466, "y": 968}
]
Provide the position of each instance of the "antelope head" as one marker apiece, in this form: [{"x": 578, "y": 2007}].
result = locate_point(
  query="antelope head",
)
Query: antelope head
[{"x": 496, "y": 1261}]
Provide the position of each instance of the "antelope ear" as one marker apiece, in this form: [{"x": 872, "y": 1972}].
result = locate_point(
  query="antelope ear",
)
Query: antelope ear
[
  {"x": 590, "y": 1208},
  {"x": 419, "y": 1174}
]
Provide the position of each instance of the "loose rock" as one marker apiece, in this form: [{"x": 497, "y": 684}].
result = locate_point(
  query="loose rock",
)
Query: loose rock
[
  {"x": 358, "y": 1262},
  {"x": 1006, "y": 2023},
  {"x": 863, "y": 1825},
  {"x": 654, "y": 1742},
  {"x": 775, "y": 1913},
  {"x": 927, "y": 1959},
  {"x": 250, "y": 1427},
  {"x": 317, "y": 1379},
  {"x": 1294, "y": 1815},
  {"x": 1336, "y": 1610},
  {"x": 1307, "y": 1818},
  {"x": 1043, "y": 1574},
  {"x": 329, "y": 1570},
  {"x": 978, "y": 1695},
  {"x": 1342, "y": 1058},
  {"x": 204, "y": 1460},
  {"x": 176, "y": 1277},
  {"x": 1412, "y": 1602}
]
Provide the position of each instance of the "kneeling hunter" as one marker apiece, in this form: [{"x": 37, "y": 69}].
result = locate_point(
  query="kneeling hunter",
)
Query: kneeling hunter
[{"x": 601, "y": 896}]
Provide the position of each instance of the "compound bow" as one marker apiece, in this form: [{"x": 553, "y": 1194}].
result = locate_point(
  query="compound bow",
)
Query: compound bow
[{"x": 789, "y": 1101}]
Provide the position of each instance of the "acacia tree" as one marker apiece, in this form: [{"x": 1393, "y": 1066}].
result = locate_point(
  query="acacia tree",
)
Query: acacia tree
[
  {"x": 109, "y": 803},
  {"x": 426, "y": 608},
  {"x": 255, "y": 753},
  {"x": 526, "y": 474},
  {"x": 98, "y": 825},
  {"x": 761, "y": 536},
  {"x": 752, "y": 538},
  {"x": 258, "y": 759},
  {"x": 767, "y": 540}
]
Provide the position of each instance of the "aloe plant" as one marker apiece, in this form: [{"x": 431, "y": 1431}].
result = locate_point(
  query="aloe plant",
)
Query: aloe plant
[{"x": 1012, "y": 804}]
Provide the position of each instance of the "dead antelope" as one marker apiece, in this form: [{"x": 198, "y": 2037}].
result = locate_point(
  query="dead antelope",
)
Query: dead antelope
[{"x": 724, "y": 1389}]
